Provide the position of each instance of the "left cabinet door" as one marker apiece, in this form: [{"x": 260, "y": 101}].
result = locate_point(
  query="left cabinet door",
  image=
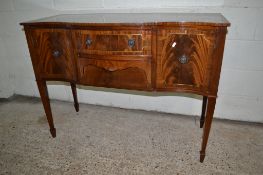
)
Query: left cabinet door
[{"x": 51, "y": 53}]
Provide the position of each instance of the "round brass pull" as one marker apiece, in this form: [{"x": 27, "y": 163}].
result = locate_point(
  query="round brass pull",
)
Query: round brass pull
[
  {"x": 56, "y": 53},
  {"x": 131, "y": 42},
  {"x": 183, "y": 59},
  {"x": 88, "y": 41}
]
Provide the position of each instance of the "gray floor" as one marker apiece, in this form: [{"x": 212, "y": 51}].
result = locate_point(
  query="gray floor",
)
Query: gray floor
[{"x": 104, "y": 140}]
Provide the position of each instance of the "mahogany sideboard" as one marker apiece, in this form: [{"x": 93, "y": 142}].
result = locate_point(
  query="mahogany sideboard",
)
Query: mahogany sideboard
[{"x": 175, "y": 52}]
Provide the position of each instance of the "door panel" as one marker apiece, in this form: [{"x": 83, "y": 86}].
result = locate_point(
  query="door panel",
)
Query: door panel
[
  {"x": 184, "y": 60},
  {"x": 52, "y": 54}
]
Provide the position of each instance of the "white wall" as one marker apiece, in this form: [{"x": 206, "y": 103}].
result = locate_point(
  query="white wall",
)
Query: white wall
[{"x": 240, "y": 95}]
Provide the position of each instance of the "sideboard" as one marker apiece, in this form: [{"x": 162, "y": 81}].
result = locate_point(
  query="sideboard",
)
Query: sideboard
[{"x": 169, "y": 52}]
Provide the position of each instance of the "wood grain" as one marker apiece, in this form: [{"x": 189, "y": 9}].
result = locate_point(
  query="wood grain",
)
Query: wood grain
[
  {"x": 113, "y": 42},
  {"x": 116, "y": 74},
  {"x": 172, "y": 56},
  {"x": 193, "y": 75},
  {"x": 44, "y": 43}
]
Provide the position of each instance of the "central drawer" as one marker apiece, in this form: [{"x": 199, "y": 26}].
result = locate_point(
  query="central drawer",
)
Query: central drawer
[
  {"x": 113, "y": 42},
  {"x": 114, "y": 58}
]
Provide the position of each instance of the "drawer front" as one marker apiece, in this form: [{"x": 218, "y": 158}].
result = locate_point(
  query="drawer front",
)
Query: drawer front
[
  {"x": 51, "y": 53},
  {"x": 131, "y": 42},
  {"x": 124, "y": 74},
  {"x": 185, "y": 59}
]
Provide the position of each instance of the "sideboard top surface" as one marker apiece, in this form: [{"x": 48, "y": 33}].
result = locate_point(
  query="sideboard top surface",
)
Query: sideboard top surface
[{"x": 104, "y": 19}]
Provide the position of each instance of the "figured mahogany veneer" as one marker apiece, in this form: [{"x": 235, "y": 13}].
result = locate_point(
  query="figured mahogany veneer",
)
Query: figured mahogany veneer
[{"x": 151, "y": 52}]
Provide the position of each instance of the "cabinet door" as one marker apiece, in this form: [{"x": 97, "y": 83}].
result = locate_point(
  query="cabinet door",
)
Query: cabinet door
[
  {"x": 51, "y": 53},
  {"x": 184, "y": 60}
]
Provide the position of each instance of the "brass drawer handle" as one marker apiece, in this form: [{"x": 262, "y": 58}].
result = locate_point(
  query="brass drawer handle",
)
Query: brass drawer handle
[
  {"x": 56, "y": 53},
  {"x": 88, "y": 41},
  {"x": 183, "y": 59},
  {"x": 131, "y": 42}
]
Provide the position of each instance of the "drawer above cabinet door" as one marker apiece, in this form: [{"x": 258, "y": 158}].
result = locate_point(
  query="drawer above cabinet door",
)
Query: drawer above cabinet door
[
  {"x": 51, "y": 53},
  {"x": 185, "y": 60},
  {"x": 113, "y": 42}
]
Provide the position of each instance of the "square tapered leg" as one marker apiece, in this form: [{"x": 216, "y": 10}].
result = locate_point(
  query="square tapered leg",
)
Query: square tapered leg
[
  {"x": 43, "y": 91},
  {"x": 74, "y": 92},
  {"x": 202, "y": 119},
  {"x": 207, "y": 125}
]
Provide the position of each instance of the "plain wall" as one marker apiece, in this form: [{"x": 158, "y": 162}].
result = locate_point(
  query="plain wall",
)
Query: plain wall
[{"x": 240, "y": 90}]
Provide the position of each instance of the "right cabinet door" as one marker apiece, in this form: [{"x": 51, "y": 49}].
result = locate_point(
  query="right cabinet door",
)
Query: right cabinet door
[{"x": 184, "y": 59}]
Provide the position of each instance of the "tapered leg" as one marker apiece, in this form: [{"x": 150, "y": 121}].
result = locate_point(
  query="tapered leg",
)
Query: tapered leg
[
  {"x": 42, "y": 87},
  {"x": 207, "y": 125},
  {"x": 74, "y": 92},
  {"x": 202, "y": 119}
]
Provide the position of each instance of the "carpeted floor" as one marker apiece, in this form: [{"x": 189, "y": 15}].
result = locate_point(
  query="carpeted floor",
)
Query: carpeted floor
[{"x": 111, "y": 141}]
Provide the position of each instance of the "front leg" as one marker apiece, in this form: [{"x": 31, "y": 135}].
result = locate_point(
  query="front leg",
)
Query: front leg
[
  {"x": 42, "y": 87},
  {"x": 74, "y": 92},
  {"x": 207, "y": 126},
  {"x": 202, "y": 119}
]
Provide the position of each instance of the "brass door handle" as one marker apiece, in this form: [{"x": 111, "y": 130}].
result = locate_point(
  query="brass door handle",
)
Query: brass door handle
[
  {"x": 183, "y": 59},
  {"x": 88, "y": 41},
  {"x": 56, "y": 53},
  {"x": 131, "y": 42}
]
